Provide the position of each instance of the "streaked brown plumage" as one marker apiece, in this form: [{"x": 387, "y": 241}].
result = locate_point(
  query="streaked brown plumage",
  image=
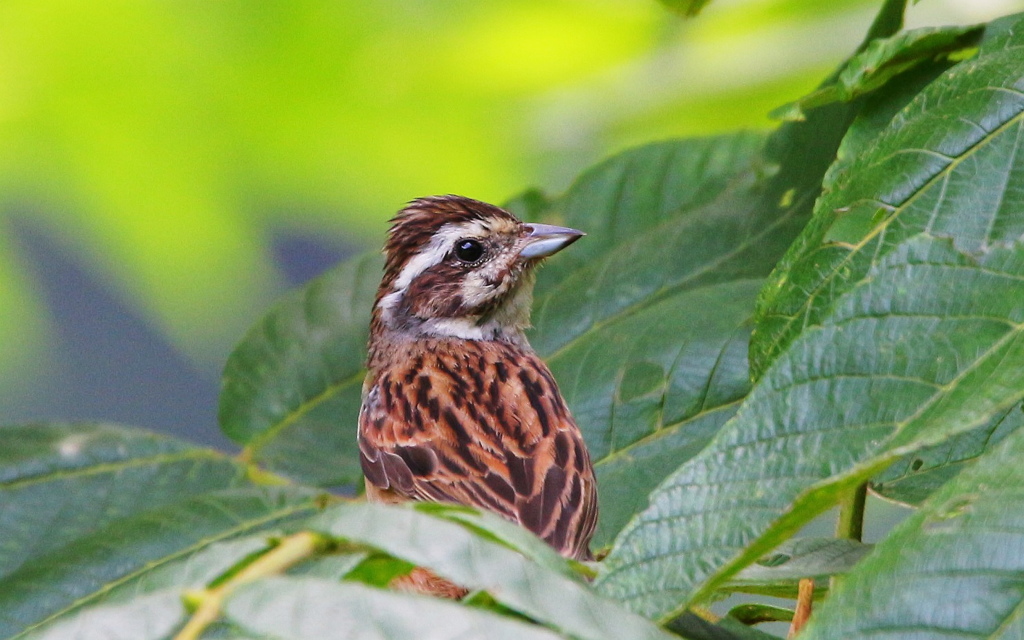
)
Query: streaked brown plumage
[{"x": 457, "y": 407}]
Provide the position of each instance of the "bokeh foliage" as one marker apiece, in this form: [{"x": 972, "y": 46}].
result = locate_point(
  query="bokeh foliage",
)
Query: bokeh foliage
[{"x": 163, "y": 146}]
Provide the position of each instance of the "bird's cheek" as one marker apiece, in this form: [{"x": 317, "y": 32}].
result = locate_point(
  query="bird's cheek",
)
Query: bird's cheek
[{"x": 434, "y": 298}]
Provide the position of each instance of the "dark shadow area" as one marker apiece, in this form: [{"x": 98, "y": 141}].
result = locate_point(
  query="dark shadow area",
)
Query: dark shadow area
[
  {"x": 300, "y": 257},
  {"x": 108, "y": 362}
]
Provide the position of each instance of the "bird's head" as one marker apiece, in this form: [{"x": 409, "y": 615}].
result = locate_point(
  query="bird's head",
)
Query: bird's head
[{"x": 457, "y": 267}]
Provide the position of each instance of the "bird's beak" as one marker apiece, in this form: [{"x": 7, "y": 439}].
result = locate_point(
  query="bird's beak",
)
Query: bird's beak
[{"x": 546, "y": 239}]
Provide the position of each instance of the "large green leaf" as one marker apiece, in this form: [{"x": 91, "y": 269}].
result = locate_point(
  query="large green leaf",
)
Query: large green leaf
[
  {"x": 927, "y": 345},
  {"x": 123, "y": 554},
  {"x": 59, "y": 482},
  {"x": 946, "y": 164},
  {"x": 280, "y": 608},
  {"x": 698, "y": 260},
  {"x": 661, "y": 239},
  {"x": 635, "y": 190},
  {"x": 954, "y": 569},
  {"x": 648, "y": 399},
  {"x": 291, "y": 389}
]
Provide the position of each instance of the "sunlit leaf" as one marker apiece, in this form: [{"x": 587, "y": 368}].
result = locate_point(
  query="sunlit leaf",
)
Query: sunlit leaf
[
  {"x": 280, "y": 608},
  {"x": 149, "y": 617},
  {"x": 452, "y": 551},
  {"x": 882, "y": 60}
]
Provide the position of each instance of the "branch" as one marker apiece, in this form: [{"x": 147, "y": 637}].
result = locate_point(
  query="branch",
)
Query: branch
[{"x": 291, "y": 551}]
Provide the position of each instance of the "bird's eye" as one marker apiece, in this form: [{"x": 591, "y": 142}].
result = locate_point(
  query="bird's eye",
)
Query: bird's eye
[{"x": 469, "y": 251}]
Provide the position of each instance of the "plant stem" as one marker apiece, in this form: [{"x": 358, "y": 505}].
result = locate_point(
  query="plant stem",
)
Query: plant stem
[
  {"x": 291, "y": 551},
  {"x": 851, "y": 514},
  {"x": 804, "y": 601},
  {"x": 850, "y": 524}
]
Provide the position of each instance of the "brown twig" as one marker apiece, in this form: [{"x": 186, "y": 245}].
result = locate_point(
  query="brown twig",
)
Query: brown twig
[{"x": 805, "y": 595}]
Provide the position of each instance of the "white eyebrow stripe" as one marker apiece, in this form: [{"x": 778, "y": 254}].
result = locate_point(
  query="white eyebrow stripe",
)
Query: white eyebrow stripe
[{"x": 431, "y": 255}]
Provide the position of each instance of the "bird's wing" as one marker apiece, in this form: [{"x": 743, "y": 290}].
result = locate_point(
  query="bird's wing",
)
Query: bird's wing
[{"x": 483, "y": 426}]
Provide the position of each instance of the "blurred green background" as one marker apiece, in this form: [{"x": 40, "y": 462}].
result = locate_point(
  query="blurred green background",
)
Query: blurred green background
[{"x": 168, "y": 169}]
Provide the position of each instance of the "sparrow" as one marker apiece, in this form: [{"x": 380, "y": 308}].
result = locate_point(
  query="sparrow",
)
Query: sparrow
[{"x": 457, "y": 407}]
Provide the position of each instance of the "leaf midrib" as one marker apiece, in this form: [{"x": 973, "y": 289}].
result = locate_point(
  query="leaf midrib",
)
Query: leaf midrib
[
  {"x": 264, "y": 437},
  {"x": 663, "y": 431},
  {"x": 114, "y": 467}
]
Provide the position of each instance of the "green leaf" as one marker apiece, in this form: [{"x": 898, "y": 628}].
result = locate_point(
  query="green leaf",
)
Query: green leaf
[
  {"x": 888, "y": 21},
  {"x": 880, "y": 61},
  {"x": 125, "y": 553},
  {"x": 929, "y": 343},
  {"x": 648, "y": 399},
  {"x": 917, "y": 476},
  {"x": 500, "y": 530},
  {"x": 954, "y": 569},
  {"x": 693, "y": 627},
  {"x": 643, "y": 413},
  {"x": 946, "y": 165},
  {"x": 454, "y": 552},
  {"x": 654, "y": 249},
  {"x": 280, "y": 608},
  {"x": 778, "y": 573},
  {"x": 638, "y": 189},
  {"x": 149, "y": 617},
  {"x": 331, "y": 567},
  {"x": 291, "y": 389},
  {"x": 686, "y": 7},
  {"x": 59, "y": 482}
]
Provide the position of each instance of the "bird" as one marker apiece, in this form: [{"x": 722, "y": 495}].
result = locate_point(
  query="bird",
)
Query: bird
[{"x": 457, "y": 407}]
